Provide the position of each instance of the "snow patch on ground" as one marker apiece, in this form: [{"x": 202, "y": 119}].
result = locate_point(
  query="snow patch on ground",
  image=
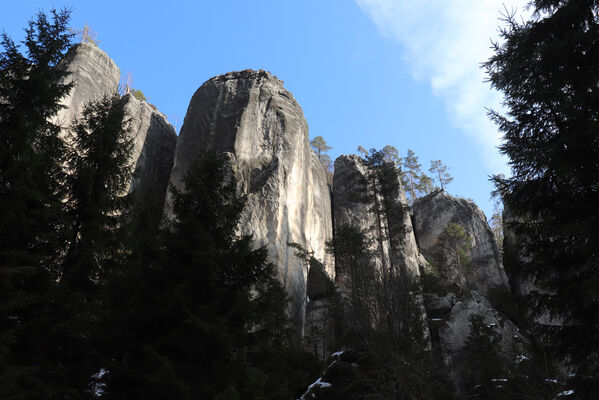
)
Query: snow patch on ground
[
  {"x": 566, "y": 393},
  {"x": 316, "y": 385}
]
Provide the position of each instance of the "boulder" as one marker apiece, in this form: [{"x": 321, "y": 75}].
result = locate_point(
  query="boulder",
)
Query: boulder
[
  {"x": 250, "y": 115},
  {"x": 434, "y": 212}
]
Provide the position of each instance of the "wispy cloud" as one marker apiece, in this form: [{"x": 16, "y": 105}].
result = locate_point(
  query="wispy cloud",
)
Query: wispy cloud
[{"x": 445, "y": 43}]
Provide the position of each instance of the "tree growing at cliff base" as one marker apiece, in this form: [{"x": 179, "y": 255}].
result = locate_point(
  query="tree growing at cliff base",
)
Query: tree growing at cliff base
[
  {"x": 205, "y": 316},
  {"x": 547, "y": 70},
  {"x": 31, "y": 208}
]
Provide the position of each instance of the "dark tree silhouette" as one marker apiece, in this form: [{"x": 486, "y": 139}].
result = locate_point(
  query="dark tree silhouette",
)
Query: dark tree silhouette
[
  {"x": 547, "y": 69},
  {"x": 31, "y": 208}
]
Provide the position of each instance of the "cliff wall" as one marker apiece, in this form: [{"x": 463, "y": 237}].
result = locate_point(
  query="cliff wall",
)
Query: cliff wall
[{"x": 253, "y": 118}]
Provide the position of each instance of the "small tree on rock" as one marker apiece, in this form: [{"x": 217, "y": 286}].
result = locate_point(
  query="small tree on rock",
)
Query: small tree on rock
[
  {"x": 456, "y": 246},
  {"x": 412, "y": 171},
  {"x": 320, "y": 146},
  {"x": 439, "y": 171}
]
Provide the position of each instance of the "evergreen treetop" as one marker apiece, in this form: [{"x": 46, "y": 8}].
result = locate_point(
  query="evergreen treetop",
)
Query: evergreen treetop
[{"x": 321, "y": 148}]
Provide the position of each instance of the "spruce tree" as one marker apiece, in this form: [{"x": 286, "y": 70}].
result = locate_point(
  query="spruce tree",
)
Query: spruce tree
[
  {"x": 31, "y": 208},
  {"x": 205, "y": 316},
  {"x": 100, "y": 170},
  {"x": 546, "y": 68}
]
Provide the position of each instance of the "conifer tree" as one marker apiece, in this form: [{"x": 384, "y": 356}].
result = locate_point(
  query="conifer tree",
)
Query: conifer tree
[
  {"x": 425, "y": 184},
  {"x": 456, "y": 245},
  {"x": 31, "y": 208},
  {"x": 391, "y": 155},
  {"x": 488, "y": 373},
  {"x": 412, "y": 171},
  {"x": 320, "y": 146},
  {"x": 439, "y": 171},
  {"x": 100, "y": 171},
  {"x": 205, "y": 316},
  {"x": 546, "y": 68}
]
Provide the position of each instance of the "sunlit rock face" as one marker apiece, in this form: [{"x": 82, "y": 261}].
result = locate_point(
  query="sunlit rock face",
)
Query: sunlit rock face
[
  {"x": 434, "y": 212},
  {"x": 251, "y": 116},
  {"x": 154, "y": 141},
  {"x": 93, "y": 73}
]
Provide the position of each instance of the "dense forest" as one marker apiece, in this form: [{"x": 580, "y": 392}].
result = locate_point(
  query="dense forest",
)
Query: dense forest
[{"x": 101, "y": 299}]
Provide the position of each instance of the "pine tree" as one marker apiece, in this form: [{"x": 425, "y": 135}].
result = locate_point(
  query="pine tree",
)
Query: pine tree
[
  {"x": 31, "y": 208},
  {"x": 439, "y": 171},
  {"x": 391, "y": 155},
  {"x": 425, "y": 184},
  {"x": 546, "y": 67},
  {"x": 320, "y": 146},
  {"x": 412, "y": 171}
]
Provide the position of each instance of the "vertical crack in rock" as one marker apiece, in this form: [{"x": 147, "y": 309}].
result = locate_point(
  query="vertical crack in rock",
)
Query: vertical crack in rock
[{"x": 251, "y": 115}]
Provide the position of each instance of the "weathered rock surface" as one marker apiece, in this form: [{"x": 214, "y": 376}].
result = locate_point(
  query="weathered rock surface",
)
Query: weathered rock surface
[
  {"x": 250, "y": 115},
  {"x": 94, "y": 75},
  {"x": 434, "y": 212},
  {"x": 457, "y": 327},
  {"x": 455, "y": 334},
  {"x": 320, "y": 312},
  {"x": 351, "y": 206},
  {"x": 153, "y": 152},
  {"x": 389, "y": 229}
]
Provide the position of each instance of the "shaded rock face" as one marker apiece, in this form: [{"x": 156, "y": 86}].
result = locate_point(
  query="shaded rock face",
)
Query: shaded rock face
[
  {"x": 153, "y": 152},
  {"x": 251, "y": 116},
  {"x": 94, "y": 75},
  {"x": 457, "y": 327},
  {"x": 319, "y": 331},
  {"x": 353, "y": 206},
  {"x": 434, "y": 212},
  {"x": 389, "y": 230}
]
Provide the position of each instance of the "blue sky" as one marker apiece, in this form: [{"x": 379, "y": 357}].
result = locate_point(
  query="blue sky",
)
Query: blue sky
[{"x": 365, "y": 72}]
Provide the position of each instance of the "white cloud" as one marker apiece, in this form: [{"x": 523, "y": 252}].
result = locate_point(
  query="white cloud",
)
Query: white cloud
[{"x": 445, "y": 43}]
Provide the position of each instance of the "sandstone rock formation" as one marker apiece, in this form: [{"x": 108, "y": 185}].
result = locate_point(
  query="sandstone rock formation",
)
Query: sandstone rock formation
[
  {"x": 153, "y": 152},
  {"x": 352, "y": 206},
  {"x": 434, "y": 212},
  {"x": 389, "y": 229},
  {"x": 457, "y": 328},
  {"x": 250, "y": 115},
  {"x": 94, "y": 75}
]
